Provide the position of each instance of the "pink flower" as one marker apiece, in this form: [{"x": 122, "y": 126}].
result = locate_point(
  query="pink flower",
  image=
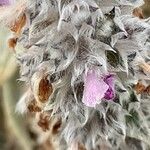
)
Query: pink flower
[
  {"x": 6, "y": 2},
  {"x": 96, "y": 88}
]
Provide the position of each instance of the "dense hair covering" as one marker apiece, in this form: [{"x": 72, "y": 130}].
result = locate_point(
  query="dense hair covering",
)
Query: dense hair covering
[{"x": 87, "y": 63}]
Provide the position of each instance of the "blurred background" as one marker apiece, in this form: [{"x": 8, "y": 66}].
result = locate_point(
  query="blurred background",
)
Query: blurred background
[{"x": 16, "y": 132}]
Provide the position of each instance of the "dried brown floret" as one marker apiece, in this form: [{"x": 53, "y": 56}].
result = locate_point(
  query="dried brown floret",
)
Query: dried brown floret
[
  {"x": 138, "y": 13},
  {"x": 33, "y": 107},
  {"x": 139, "y": 88},
  {"x": 43, "y": 122},
  {"x": 18, "y": 24},
  {"x": 81, "y": 147},
  {"x": 45, "y": 90},
  {"x": 147, "y": 90},
  {"x": 56, "y": 127},
  {"x": 12, "y": 43},
  {"x": 145, "y": 66},
  {"x": 41, "y": 87}
]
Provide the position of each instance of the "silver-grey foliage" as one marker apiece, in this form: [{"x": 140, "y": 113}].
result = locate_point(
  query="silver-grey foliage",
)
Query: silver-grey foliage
[{"x": 62, "y": 40}]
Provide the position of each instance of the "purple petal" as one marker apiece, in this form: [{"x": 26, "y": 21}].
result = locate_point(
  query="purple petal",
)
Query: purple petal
[
  {"x": 94, "y": 90},
  {"x": 109, "y": 79},
  {"x": 110, "y": 94}
]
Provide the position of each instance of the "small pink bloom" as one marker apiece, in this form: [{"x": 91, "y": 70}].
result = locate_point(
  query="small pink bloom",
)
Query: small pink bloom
[
  {"x": 96, "y": 88},
  {"x": 6, "y": 2}
]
